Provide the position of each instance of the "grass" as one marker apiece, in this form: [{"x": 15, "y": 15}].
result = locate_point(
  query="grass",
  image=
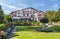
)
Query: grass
[
  {"x": 27, "y": 28},
  {"x": 27, "y": 32},
  {"x": 36, "y": 35}
]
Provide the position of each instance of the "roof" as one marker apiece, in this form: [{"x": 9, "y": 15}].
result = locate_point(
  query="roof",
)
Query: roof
[{"x": 29, "y": 8}]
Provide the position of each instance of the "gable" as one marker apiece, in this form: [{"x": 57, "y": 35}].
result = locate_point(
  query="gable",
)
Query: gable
[{"x": 29, "y": 9}]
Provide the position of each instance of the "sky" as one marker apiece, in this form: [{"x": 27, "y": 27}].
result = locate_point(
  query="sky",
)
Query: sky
[{"x": 12, "y": 5}]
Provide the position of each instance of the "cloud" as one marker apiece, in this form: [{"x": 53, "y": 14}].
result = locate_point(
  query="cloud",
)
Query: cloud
[
  {"x": 12, "y": 8},
  {"x": 55, "y": 6},
  {"x": 21, "y": 5},
  {"x": 1, "y": 4},
  {"x": 39, "y": 4},
  {"x": 6, "y": 12},
  {"x": 9, "y": 6}
]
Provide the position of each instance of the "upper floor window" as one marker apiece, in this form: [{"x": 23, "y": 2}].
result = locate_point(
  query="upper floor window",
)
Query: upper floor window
[
  {"x": 24, "y": 11},
  {"x": 33, "y": 11},
  {"x": 14, "y": 15},
  {"x": 23, "y": 14},
  {"x": 27, "y": 11},
  {"x": 27, "y": 14},
  {"x": 32, "y": 15},
  {"x": 30, "y": 11}
]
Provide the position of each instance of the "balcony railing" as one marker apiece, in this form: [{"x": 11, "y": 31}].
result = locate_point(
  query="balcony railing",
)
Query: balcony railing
[{"x": 16, "y": 18}]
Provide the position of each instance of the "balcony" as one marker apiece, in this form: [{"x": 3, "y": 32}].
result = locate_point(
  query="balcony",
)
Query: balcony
[{"x": 16, "y": 18}]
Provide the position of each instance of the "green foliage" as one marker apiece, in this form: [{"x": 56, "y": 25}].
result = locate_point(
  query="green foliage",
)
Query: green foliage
[
  {"x": 53, "y": 16},
  {"x": 28, "y": 32},
  {"x": 56, "y": 28},
  {"x": 2, "y": 26},
  {"x": 25, "y": 23},
  {"x": 58, "y": 14},
  {"x": 1, "y": 15},
  {"x": 35, "y": 23},
  {"x": 28, "y": 28},
  {"x": 7, "y": 18}
]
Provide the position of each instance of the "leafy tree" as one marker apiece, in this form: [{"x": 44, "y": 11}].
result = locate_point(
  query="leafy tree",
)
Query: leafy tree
[
  {"x": 7, "y": 18},
  {"x": 1, "y": 15},
  {"x": 58, "y": 14},
  {"x": 51, "y": 15}
]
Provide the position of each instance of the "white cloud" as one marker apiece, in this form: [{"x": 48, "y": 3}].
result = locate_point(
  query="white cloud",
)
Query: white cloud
[
  {"x": 55, "y": 6},
  {"x": 6, "y": 12},
  {"x": 42, "y": 4},
  {"x": 24, "y": 5},
  {"x": 9, "y": 6},
  {"x": 39, "y": 4},
  {"x": 14, "y": 7},
  {"x": 1, "y": 4}
]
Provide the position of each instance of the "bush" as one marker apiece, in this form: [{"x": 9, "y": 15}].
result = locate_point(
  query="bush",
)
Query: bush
[
  {"x": 35, "y": 23},
  {"x": 56, "y": 28},
  {"x": 2, "y": 26},
  {"x": 51, "y": 29}
]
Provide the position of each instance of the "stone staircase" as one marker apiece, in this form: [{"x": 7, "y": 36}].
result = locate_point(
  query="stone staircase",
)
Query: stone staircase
[{"x": 10, "y": 32}]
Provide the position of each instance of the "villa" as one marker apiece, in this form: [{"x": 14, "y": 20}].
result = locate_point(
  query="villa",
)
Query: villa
[{"x": 27, "y": 13}]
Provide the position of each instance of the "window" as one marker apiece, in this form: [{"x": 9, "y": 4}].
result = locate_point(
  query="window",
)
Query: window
[
  {"x": 14, "y": 15},
  {"x": 32, "y": 16},
  {"x": 23, "y": 11},
  {"x": 39, "y": 15},
  {"x": 27, "y": 14},
  {"x": 23, "y": 14},
  {"x": 30, "y": 11}
]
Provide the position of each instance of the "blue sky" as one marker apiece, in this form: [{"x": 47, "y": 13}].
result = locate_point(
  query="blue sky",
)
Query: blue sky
[{"x": 44, "y": 5}]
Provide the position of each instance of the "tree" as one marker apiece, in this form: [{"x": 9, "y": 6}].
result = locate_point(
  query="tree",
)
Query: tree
[
  {"x": 1, "y": 15},
  {"x": 7, "y": 18},
  {"x": 58, "y": 14},
  {"x": 51, "y": 15}
]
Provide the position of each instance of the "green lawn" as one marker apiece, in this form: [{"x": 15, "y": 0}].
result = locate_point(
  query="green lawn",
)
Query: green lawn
[
  {"x": 36, "y": 35},
  {"x": 29, "y": 33}
]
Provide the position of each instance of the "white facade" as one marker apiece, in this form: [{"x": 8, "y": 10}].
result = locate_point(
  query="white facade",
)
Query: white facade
[{"x": 27, "y": 13}]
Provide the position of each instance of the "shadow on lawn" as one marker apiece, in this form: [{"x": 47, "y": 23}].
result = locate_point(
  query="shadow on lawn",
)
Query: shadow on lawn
[{"x": 16, "y": 35}]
